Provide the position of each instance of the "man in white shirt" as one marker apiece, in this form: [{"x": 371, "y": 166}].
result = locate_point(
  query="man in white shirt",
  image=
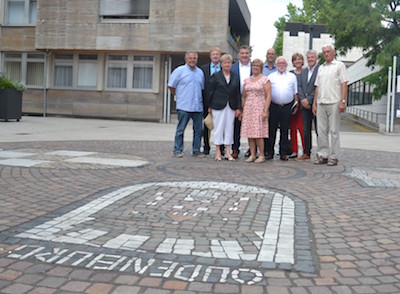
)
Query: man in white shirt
[
  {"x": 329, "y": 102},
  {"x": 284, "y": 95}
]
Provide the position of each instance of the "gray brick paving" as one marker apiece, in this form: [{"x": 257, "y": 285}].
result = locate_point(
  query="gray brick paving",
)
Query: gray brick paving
[{"x": 203, "y": 230}]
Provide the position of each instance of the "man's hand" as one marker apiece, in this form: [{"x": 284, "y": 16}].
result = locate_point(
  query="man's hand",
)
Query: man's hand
[
  {"x": 305, "y": 104},
  {"x": 342, "y": 106}
]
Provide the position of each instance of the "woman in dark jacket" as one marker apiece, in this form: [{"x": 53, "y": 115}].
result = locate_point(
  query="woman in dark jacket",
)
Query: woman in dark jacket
[{"x": 224, "y": 100}]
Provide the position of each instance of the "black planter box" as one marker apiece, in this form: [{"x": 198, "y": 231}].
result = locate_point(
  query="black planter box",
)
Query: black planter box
[{"x": 10, "y": 104}]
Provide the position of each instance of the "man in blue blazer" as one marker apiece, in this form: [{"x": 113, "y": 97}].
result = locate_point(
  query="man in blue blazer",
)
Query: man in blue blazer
[
  {"x": 209, "y": 69},
  {"x": 306, "y": 97},
  {"x": 243, "y": 70}
]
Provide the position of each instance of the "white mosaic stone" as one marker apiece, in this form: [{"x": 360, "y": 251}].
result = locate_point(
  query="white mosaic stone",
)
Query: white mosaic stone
[
  {"x": 108, "y": 161},
  {"x": 14, "y": 154},
  {"x": 70, "y": 153},
  {"x": 22, "y": 162},
  {"x": 276, "y": 243}
]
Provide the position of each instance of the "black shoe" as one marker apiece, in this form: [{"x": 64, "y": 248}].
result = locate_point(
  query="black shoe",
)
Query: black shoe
[
  {"x": 268, "y": 157},
  {"x": 247, "y": 154},
  {"x": 206, "y": 152}
]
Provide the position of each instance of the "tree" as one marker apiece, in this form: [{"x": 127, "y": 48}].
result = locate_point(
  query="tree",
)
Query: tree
[{"x": 372, "y": 25}]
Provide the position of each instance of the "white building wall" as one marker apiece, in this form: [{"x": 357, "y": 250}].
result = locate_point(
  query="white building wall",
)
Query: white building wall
[{"x": 300, "y": 44}]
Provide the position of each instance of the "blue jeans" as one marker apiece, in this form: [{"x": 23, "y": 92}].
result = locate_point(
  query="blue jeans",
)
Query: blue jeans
[{"x": 183, "y": 119}]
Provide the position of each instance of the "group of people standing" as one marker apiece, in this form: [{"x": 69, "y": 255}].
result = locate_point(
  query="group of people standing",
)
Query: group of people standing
[{"x": 251, "y": 99}]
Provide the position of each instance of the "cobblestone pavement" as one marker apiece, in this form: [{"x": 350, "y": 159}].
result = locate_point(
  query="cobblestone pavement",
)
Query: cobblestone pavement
[{"x": 127, "y": 217}]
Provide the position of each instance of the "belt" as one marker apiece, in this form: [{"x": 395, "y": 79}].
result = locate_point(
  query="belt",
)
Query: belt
[{"x": 282, "y": 105}]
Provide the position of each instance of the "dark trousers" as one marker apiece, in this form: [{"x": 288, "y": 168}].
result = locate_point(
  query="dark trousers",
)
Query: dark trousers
[
  {"x": 308, "y": 118},
  {"x": 279, "y": 117},
  {"x": 236, "y": 135}
]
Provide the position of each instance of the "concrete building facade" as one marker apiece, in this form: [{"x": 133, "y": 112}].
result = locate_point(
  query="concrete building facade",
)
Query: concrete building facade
[{"x": 110, "y": 58}]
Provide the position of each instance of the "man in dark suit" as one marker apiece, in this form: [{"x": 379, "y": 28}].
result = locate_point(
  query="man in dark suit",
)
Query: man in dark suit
[
  {"x": 243, "y": 70},
  {"x": 306, "y": 97},
  {"x": 209, "y": 69}
]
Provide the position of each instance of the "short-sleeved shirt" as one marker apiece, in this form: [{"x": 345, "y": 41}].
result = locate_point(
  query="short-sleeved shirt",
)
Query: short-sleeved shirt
[
  {"x": 188, "y": 84},
  {"x": 329, "y": 81},
  {"x": 267, "y": 71},
  {"x": 283, "y": 87}
]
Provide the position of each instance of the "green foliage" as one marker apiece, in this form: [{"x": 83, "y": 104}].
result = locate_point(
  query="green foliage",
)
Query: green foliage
[
  {"x": 6, "y": 83},
  {"x": 373, "y": 25}
]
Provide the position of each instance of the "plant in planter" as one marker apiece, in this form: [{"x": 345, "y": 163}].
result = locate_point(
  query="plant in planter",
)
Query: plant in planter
[{"x": 10, "y": 98}]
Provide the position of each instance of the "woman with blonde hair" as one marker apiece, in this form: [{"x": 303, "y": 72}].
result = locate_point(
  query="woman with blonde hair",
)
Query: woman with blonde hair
[
  {"x": 224, "y": 103},
  {"x": 256, "y": 99}
]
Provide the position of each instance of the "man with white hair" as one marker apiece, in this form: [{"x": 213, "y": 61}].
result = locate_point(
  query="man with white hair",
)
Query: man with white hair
[
  {"x": 306, "y": 97},
  {"x": 284, "y": 94},
  {"x": 329, "y": 102}
]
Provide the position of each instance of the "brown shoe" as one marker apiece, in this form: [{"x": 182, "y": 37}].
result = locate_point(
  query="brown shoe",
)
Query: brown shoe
[
  {"x": 235, "y": 154},
  {"x": 303, "y": 157},
  {"x": 284, "y": 157}
]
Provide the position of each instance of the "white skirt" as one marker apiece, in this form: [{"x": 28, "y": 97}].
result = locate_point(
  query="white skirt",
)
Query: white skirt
[{"x": 224, "y": 121}]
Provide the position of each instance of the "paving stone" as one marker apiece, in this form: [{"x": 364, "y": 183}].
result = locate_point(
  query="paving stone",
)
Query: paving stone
[
  {"x": 126, "y": 280},
  {"x": 16, "y": 289},
  {"x": 251, "y": 289},
  {"x": 10, "y": 275},
  {"x": 363, "y": 289},
  {"x": 75, "y": 286},
  {"x": 277, "y": 290},
  {"x": 195, "y": 286},
  {"x": 175, "y": 285},
  {"x": 99, "y": 288},
  {"x": 52, "y": 282},
  {"x": 42, "y": 290},
  {"x": 150, "y": 282},
  {"x": 126, "y": 290},
  {"x": 342, "y": 290},
  {"x": 60, "y": 271},
  {"x": 224, "y": 288},
  {"x": 29, "y": 279}
]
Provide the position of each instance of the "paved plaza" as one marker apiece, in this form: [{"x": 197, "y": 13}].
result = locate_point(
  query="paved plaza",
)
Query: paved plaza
[{"x": 102, "y": 206}]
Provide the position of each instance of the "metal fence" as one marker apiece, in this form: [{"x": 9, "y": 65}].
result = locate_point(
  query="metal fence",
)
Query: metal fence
[{"x": 370, "y": 116}]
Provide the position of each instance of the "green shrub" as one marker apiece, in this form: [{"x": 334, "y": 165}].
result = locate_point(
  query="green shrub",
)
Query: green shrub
[{"x": 6, "y": 83}]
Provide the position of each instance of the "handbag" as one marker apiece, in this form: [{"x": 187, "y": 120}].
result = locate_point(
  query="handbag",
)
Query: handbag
[{"x": 208, "y": 122}]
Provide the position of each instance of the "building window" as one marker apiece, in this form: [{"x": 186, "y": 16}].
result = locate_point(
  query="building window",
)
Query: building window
[
  {"x": 130, "y": 72},
  {"x": 75, "y": 71},
  {"x": 27, "y": 68},
  {"x": 360, "y": 93},
  {"x": 21, "y": 12},
  {"x": 124, "y": 9}
]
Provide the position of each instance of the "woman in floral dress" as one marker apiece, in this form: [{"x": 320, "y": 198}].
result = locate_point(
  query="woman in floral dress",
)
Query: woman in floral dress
[{"x": 256, "y": 99}]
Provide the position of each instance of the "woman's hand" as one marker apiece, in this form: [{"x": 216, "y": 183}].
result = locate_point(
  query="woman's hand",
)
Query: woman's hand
[{"x": 265, "y": 114}]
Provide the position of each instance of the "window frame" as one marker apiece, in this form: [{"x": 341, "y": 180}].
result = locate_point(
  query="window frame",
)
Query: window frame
[
  {"x": 27, "y": 13},
  {"x": 110, "y": 18},
  {"x": 130, "y": 65},
  {"x": 74, "y": 62},
  {"x": 24, "y": 59}
]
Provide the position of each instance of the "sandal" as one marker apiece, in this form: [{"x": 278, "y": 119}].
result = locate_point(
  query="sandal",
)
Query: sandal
[
  {"x": 217, "y": 158},
  {"x": 250, "y": 159},
  {"x": 260, "y": 159},
  {"x": 230, "y": 158}
]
